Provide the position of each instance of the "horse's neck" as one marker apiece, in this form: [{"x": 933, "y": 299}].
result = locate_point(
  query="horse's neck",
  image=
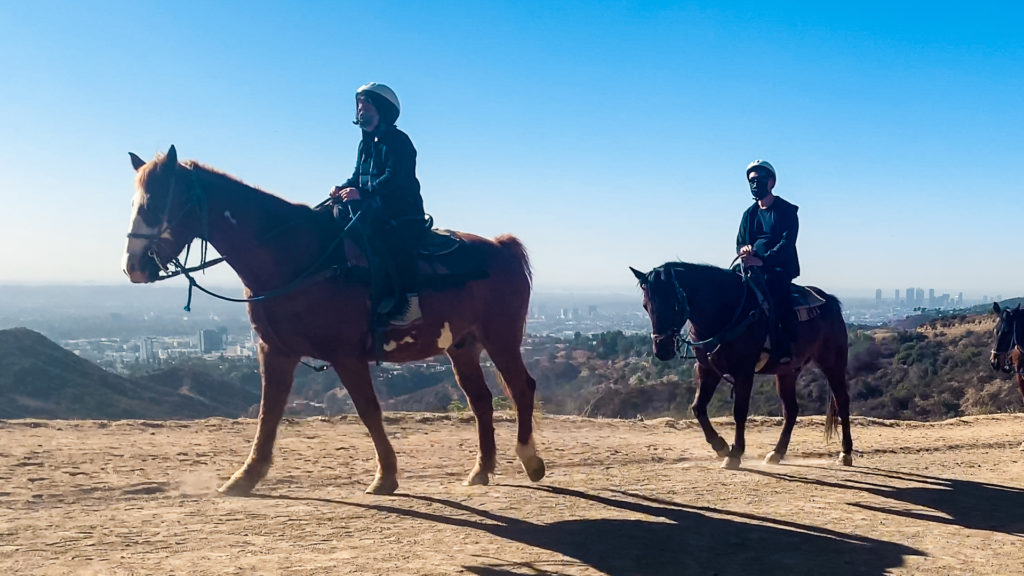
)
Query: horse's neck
[
  {"x": 714, "y": 299},
  {"x": 267, "y": 240}
]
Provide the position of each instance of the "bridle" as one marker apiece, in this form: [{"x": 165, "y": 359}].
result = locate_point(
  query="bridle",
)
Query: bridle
[
  {"x": 1002, "y": 360},
  {"x": 196, "y": 201},
  {"x": 681, "y": 314},
  {"x": 176, "y": 267}
]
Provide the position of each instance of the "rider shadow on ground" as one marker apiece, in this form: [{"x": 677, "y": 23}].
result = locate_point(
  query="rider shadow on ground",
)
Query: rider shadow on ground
[
  {"x": 963, "y": 503},
  {"x": 671, "y": 539}
]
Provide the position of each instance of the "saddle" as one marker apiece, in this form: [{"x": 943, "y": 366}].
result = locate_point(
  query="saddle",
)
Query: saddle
[{"x": 808, "y": 301}]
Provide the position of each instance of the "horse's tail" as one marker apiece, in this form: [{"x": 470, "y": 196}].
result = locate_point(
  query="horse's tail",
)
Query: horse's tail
[
  {"x": 834, "y": 315},
  {"x": 512, "y": 244},
  {"x": 831, "y": 421}
]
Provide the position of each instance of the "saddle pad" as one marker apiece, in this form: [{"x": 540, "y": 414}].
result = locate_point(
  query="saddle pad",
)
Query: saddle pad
[
  {"x": 807, "y": 300},
  {"x": 439, "y": 242}
]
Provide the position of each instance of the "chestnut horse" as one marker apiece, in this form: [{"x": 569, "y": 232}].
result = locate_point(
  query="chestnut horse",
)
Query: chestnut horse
[
  {"x": 273, "y": 246},
  {"x": 1008, "y": 349},
  {"x": 723, "y": 310}
]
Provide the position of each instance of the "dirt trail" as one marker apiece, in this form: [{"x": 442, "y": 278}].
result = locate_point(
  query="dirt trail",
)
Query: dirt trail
[{"x": 621, "y": 498}]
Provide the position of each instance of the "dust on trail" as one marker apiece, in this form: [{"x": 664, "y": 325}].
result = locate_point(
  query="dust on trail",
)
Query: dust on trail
[{"x": 621, "y": 497}]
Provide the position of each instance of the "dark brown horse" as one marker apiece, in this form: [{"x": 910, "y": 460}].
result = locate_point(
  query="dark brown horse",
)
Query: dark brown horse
[
  {"x": 729, "y": 328},
  {"x": 1008, "y": 348},
  {"x": 271, "y": 243}
]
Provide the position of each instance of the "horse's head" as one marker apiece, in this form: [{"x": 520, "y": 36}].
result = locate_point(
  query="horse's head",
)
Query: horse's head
[
  {"x": 1009, "y": 334},
  {"x": 165, "y": 216},
  {"x": 665, "y": 302}
]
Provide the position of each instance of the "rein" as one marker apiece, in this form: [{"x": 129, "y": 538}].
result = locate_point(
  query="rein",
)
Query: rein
[
  {"x": 1014, "y": 345},
  {"x": 734, "y": 328},
  {"x": 177, "y": 267}
]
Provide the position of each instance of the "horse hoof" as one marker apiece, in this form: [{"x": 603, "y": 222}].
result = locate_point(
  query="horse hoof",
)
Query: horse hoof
[
  {"x": 721, "y": 447},
  {"x": 240, "y": 484},
  {"x": 383, "y": 486},
  {"x": 534, "y": 468},
  {"x": 846, "y": 459},
  {"x": 477, "y": 478},
  {"x": 773, "y": 457},
  {"x": 731, "y": 463}
]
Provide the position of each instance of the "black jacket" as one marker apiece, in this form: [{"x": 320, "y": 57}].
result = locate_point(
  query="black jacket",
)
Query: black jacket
[
  {"x": 386, "y": 169},
  {"x": 772, "y": 232}
]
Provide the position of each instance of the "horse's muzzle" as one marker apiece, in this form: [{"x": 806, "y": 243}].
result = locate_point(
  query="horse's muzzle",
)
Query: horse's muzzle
[{"x": 664, "y": 346}]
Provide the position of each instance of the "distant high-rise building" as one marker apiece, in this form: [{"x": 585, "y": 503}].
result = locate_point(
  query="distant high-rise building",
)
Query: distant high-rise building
[
  {"x": 960, "y": 299},
  {"x": 146, "y": 353},
  {"x": 210, "y": 341},
  {"x": 910, "y": 298},
  {"x": 919, "y": 301},
  {"x": 931, "y": 297},
  {"x": 896, "y": 297},
  {"x": 878, "y": 296}
]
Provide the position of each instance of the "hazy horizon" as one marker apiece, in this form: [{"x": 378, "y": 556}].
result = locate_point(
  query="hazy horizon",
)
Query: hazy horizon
[{"x": 604, "y": 136}]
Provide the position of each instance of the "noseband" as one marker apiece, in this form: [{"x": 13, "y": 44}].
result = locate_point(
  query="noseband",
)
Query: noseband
[
  {"x": 681, "y": 314},
  {"x": 1002, "y": 359},
  {"x": 196, "y": 201}
]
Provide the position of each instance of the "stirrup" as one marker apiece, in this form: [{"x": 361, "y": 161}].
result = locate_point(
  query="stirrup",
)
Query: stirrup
[{"x": 412, "y": 312}]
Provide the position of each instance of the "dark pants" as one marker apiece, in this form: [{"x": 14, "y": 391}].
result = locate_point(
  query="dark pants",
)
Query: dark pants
[
  {"x": 779, "y": 285},
  {"x": 401, "y": 240}
]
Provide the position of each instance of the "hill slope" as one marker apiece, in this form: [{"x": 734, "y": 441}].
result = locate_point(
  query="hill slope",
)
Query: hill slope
[{"x": 40, "y": 379}]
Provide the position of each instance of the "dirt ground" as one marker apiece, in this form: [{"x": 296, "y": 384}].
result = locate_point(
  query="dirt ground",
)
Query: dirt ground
[{"x": 621, "y": 498}]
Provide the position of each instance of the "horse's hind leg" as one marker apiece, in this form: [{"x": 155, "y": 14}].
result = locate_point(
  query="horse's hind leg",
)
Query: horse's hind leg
[
  {"x": 740, "y": 410},
  {"x": 707, "y": 382},
  {"x": 509, "y": 362},
  {"x": 1020, "y": 384},
  {"x": 466, "y": 364},
  {"x": 785, "y": 385},
  {"x": 355, "y": 376},
  {"x": 840, "y": 402},
  {"x": 277, "y": 371}
]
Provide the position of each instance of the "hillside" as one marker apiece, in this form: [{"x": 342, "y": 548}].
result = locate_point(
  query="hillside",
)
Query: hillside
[{"x": 40, "y": 379}]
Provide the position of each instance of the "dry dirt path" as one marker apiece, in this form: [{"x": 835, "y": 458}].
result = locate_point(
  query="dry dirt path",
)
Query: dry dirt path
[{"x": 621, "y": 498}]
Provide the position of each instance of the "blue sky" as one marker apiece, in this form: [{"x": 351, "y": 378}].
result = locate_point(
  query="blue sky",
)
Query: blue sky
[{"x": 603, "y": 134}]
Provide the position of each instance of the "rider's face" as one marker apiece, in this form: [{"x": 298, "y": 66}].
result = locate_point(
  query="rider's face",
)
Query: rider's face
[
  {"x": 367, "y": 114},
  {"x": 761, "y": 182}
]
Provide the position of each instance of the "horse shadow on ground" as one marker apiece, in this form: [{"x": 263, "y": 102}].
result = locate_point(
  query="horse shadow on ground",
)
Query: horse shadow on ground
[
  {"x": 963, "y": 503},
  {"x": 669, "y": 538}
]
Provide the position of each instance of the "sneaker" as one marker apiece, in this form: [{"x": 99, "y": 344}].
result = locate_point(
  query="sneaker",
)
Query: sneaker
[{"x": 412, "y": 312}]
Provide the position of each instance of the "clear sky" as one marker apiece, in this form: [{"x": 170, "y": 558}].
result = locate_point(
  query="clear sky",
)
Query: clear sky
[{"x": 604, "y": 134}]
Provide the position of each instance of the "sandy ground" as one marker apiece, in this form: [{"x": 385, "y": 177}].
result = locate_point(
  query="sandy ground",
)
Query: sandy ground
[{"x": 621, "y": 497}]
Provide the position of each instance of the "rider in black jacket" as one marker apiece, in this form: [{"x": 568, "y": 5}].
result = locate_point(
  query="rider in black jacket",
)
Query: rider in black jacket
[
  {"x": 767, "y": 241},
  {"x": 386, "y": 171}
]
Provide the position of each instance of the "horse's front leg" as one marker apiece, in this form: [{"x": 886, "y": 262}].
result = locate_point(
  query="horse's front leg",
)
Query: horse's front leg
[
  {"x": 741, "y": 406},
  {"x": 355, "y": 376},
  {"x": 277, "y": 371},
  {"x": 707, "y": 382}
]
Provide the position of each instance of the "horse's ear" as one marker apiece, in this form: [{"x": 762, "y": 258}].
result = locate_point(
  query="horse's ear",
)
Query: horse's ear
[
  {"x": 1018, "y": 306},
  {"x": 136, "y": 161},
  {"x": 640, "y": 276},
  {"x": 172, "y": 155},
  {"x": 995, "y": 308}
]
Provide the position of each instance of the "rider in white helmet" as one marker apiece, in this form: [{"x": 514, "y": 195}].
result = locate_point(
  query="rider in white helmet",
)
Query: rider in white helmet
[
  {"x": 386, "y": 171},
  {"x": 767, "y": 242}
]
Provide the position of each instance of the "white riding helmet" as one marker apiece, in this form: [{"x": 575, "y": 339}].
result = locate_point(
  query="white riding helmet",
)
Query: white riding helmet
[
  {"x": 762, "y": 164},
  {"x": 382, "y": 90}
]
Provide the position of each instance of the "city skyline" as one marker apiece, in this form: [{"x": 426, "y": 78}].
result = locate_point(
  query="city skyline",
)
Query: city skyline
[{"x": 603, "y": 136}]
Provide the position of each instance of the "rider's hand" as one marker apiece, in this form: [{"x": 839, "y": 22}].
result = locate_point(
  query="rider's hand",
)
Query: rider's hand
[
  {"x": 746, "y": 250},
  {"x": 750, "y": 259},
  {"x": 345, "y": 194}
]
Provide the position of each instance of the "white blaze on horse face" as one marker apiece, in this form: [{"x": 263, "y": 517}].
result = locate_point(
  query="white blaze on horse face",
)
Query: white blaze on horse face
[
  {"x": 138, "y": 248},
  {"x": 444, "y": 341}
]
